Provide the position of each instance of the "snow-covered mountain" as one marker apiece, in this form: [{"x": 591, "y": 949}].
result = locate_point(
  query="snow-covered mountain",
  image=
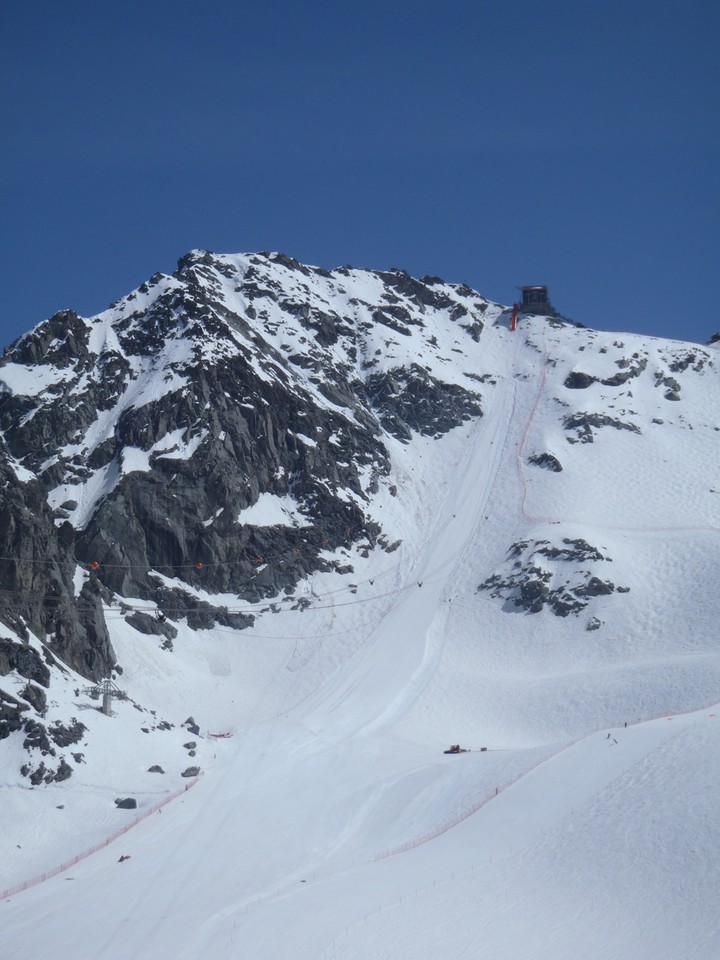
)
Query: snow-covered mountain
[{"x": 346, "y": 519}]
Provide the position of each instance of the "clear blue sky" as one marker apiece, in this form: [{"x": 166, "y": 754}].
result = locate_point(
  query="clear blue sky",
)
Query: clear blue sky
[{"x": 494, "y": 142}]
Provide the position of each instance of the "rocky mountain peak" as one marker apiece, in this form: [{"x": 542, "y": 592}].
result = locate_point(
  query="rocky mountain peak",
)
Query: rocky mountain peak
[
  {"x": 225, "y": 443},
  {"x": 148, "y": 429}
]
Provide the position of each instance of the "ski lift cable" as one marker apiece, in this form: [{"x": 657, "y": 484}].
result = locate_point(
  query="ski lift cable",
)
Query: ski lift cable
[
  {"x": 17, "y": 593},
  {"x": 125, "y": 607},
  {"x": 256, "y": 607},
  {"x": 224, "y": 609}
]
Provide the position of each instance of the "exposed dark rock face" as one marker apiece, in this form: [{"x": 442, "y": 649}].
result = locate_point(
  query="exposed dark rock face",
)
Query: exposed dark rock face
[
  {"x": 547, "y": 460},
  {"x": 579, "y": 381},
  {"x": 63, "y": 772},
  {"x": 542, "y": 574},
  {"x": 408, "y": 400},
  {"x": 63, "y": 735},
  {"x": 36, "y": 738},
  {"x": 36, "y": 586},
  {"x": 159, "y": 423},
  {"x": 583, "y": 424},
  {"x": 25, "y": 659},
  {"x": 191, "y": 726},
  {"x": 35, "y": 696},
  {"x": 672, "y": 386},
  {"x": 45, "y": 740},
  {"x": 684, "y": 359},
  {"x": 152, "y": 626},
  {"x": 630, "y": 369},
  {"x": 11, "y": 714},
  {"x": 40, "y": 775}
]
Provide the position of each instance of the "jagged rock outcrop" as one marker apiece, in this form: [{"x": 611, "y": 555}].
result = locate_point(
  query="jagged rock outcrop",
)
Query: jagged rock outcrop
[
  {"x": 585, "y": 424},
  {"x": 561, "y": 577},
  {"x": 546, "y": 460},
  {"x": 154, "y": 429},
  {"x": 11, "y": 714},
  {"x": 37, "y": 591},
  {"x": 24, "y": 659}
]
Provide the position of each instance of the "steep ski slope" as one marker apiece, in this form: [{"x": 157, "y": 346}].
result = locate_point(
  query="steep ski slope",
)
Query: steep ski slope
[
  {"x": 611, "y": 655},
  {"x": 331, "y": 823}
]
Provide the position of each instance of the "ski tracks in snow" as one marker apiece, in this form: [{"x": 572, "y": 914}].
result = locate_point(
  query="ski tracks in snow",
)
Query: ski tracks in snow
[{"x": 387, "y": 673}]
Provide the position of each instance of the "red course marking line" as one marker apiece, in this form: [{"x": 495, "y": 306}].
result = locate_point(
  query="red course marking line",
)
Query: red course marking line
[
  {"x": 54, "y": 871},
  {"x": 479, "y": 804}
]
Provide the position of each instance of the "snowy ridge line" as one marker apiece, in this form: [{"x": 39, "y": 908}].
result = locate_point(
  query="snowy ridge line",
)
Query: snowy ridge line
[
  {"x": 479, "y": 804},
  {"x": 54, "y": 871}
]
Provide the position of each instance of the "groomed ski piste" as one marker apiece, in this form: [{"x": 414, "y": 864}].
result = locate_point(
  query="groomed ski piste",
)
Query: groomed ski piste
[{"x": 329, "y": 823}]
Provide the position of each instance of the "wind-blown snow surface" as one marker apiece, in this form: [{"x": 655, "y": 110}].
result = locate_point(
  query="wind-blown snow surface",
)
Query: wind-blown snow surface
[{"x": 331, "y": 824}]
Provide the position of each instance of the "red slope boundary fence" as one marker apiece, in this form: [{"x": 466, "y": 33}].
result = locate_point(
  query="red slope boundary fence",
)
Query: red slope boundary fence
[
  {"x": 55, "y": 871},
  {"x": 479, "y": 804}
]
